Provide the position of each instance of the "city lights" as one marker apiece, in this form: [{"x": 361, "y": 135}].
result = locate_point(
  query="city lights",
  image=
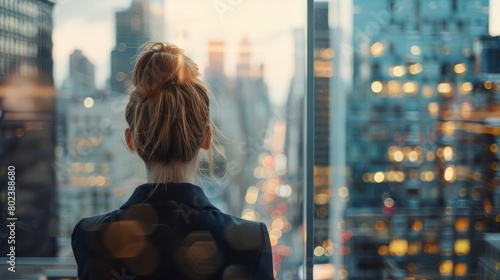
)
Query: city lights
[
  {"x": 405, "y": 149},
  {"x": 398, "y": 156},
  {"x": 89, "y": 167},
  {"x": 460, "y": 68},
  {"x": 445, "y": 89},
  {"x": 449, "y": 174},
  {"x": 493, "y": 148},
  {"x": 414, "y": 248},
  {"x": 466, "y": 88},
  {"x": 430, "y": 156},
  {"x": 377, "y": 49},
  {"x": 466, "y": 110},
  {"x": 319, "y": 251},
  {"x": 88, "y": 102},
  {"x": 415, "y": 69},
  {"x": 397, "y": 71},
  {"x": 344, "y": 192},
  {"x": 413, "y": 156},
  {"x": 417, "y": 225},
  {"x": 462, "y": 224},
  {"x": 377, "y": 87},
  {"x": 448, "y": 153},
  {"x": 446, "y": 268},
  {"x": 410, "y": 87},
  {"x": 327, "y": 53},
  {"x": 379, "y": 177},
  {"x": 415, "y": 50},
  {"x": 462, "y": 246},
  {"x": 427, "y": 176},
  {"x": 394, "y": 88},
  {"x": 252, "y": 195},
  {"x": 461, "y": 269},
  {"x": 389, "y": 202},
  {"x": 398, "y": 247},
  {"x": 284, "y": 191},
  {"x": 427, "y": 91},
  {"x": 448, "y": 128}
]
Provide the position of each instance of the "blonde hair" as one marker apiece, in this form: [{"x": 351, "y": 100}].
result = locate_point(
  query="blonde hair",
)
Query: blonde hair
[{"x": 168, "y": 111}]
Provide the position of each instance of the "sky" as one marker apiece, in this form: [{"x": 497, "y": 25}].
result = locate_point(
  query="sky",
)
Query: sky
[
  {"x": 190, "y": 24},
  {"x": 268, "y": 24}
]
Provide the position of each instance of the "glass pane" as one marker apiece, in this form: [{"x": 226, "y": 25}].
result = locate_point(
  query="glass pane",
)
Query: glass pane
[
  {"x": 410, "y": 187},
  {"x": 63, "y": 80}
]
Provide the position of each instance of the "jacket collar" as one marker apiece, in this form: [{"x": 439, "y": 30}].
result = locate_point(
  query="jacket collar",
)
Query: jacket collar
[{"x": 166, "y": 193}]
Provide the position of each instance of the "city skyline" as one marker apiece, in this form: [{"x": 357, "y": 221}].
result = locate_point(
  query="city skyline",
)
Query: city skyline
[
  {"x": 421, "y": 181},
  {"x": 272, "y": 46}
]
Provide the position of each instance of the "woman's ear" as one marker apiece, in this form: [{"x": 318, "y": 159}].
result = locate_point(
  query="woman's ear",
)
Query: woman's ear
[
  {"x": 207, "y": 140},
  {"x": 129, "y": 139}
]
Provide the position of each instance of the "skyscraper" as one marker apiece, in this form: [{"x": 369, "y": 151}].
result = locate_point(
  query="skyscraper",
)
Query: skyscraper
[
  {"x": 81, "y": 70},
  {"x": 417, "y": 162},
  {"x": 141, "y": 22},
  {"x": 242, "y": 113},
  {"x": 421, "y": 186},
  {"x": 27, "y": 102}
]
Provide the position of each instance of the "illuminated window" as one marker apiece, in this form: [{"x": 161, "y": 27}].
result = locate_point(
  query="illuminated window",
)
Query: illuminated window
[
  {"x": 414, "y": 248},
  {"x": 377, "y": 49},
  {"x": 462, "y": 246},
  {"x": 431, "y": 248},
  {"x": 461, "y": 269},
  {"x": 398, "y": 247},
  {"x": 446, "y": 268},
  {"x": 417, "y": 225}
]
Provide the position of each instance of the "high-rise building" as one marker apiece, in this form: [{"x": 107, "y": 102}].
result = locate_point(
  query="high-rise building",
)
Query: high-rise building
[
  {"x": 253, "y": 111},
  {"x": 242, "y": 113},
  {"x": 216, "y": 77},
  {"x": 25, "y": 45},
  {"x": 81, "y": 70},
  {"x": 323, "y": 72},
  {"x": 141, "y": 22},
  {"x": 94, "y": 170},
  {"x": 27, "y": 138},
  {"x": 417, "y": 161},
  {"x": 97, "y": 171},
  {"x": 421, "y": 186},
  {"x": 489, "y": 256}
]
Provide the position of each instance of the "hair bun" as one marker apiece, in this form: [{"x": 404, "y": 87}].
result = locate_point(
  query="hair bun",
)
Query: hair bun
[{"x": 161, "y": 66}]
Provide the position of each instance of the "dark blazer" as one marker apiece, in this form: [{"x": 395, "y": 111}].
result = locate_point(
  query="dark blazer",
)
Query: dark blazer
[{"x": 172, "y": 233}]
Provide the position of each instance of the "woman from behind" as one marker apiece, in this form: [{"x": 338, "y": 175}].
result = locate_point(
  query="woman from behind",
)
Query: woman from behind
[{"x": 168, "y": 229}]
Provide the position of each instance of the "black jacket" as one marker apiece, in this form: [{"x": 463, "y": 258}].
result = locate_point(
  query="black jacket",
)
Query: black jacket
[{"x": 174, "y": 233}]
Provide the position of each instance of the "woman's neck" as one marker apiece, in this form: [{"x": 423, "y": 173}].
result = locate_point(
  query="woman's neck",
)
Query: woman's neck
[{"x": 174, "y": 172}]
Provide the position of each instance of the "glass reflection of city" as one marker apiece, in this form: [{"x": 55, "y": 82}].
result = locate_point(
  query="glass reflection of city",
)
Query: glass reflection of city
[
  {"x": 421, "y": 195},
  {"x": 421, "y": 198}
]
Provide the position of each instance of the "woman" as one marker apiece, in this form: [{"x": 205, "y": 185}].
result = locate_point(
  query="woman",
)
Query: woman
[{"x": 168, "y": 229}]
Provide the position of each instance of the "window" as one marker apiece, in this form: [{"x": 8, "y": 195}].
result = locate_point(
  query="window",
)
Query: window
[{"x": 366, "y": 130}]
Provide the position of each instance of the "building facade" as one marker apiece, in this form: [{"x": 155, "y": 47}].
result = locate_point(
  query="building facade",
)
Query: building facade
[
  {"x": 141, "y": 22},
  {"x": 419, "y": 162},
  {"x": 27, "y": 141}
]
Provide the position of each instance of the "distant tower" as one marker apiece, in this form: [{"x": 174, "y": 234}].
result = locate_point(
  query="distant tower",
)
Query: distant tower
[
  {"x": 80, "y": 82},
  {"x": 252, "y": 89},
  {"x": 141, "y": 22},
  {"x": 81, "y": 70},
  {"x": 253, "y": 106},
  {"x": 216, "y": 58},
  {"x": 214, "y": 74}
]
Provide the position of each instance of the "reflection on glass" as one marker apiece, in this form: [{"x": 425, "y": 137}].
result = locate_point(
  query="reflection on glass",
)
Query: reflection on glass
[
  {"x": 421, "y": 171},
  {"x": 67, "y": 143}
]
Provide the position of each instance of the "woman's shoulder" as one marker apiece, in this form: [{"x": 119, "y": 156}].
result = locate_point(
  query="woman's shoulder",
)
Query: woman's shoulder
[
  {"x": 93, "y": 228},
  {"x": 241, "y": 234}
]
